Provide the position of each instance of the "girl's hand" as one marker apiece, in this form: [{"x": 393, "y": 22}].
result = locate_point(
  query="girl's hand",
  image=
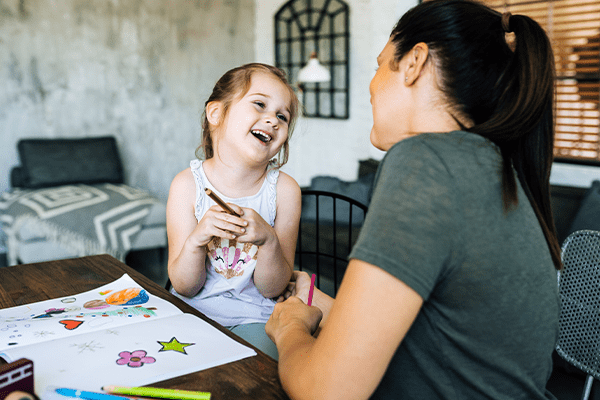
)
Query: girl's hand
[
  {"x": 292, "y": 314},
  {"x": 299, "y": 286},
  {"x": 258, "y": 231},
  {"x": 217, "y": 222}
]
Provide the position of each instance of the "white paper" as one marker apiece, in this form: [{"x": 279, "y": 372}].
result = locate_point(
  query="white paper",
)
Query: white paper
[{"x": 129, "y": 349}]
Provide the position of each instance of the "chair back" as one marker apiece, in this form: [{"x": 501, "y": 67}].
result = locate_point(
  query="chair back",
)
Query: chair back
[
  {"x": 579, "y": 289},
  {"x": 329, "y": 227}
]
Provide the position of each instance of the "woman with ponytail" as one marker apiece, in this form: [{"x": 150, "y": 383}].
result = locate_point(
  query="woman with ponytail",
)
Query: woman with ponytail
[{"x": 451, "y": 289}]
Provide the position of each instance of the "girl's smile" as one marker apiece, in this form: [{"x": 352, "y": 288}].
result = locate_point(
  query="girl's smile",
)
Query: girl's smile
[{"x": 256, "y": 124}]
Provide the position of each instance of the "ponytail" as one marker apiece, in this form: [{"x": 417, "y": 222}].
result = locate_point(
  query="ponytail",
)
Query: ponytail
[{"x": 505, "y": 88}]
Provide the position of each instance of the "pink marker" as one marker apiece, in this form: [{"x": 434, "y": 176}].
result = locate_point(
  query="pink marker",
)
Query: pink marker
[{"x": 312, "y": 288}]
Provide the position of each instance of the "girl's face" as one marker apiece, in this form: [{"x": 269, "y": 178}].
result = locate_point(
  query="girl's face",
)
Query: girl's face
[
  {"x": 388, "y": 100},
  {"x": 256, "y": 125}
]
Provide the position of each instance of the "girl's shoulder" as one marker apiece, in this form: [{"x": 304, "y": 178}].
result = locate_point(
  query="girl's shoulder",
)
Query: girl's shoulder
[
  {"x": 183, "y": 181},
  {"x": 287, "y": 188}
]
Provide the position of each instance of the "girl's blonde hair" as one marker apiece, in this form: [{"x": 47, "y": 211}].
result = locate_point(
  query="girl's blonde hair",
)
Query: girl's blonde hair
[{"x": 235, "y": 83}]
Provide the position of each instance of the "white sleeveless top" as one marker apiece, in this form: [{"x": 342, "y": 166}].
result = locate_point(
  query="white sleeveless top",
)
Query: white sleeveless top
[{"x": 229, "y": 295}]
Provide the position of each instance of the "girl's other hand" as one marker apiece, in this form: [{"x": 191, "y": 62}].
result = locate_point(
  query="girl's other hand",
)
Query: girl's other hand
[
  {"x": 292, "y": 314},
  {"x": 219, "y": 223},
  {"x": 299, "y": 286},
  {"x": 258, "y": 231}
]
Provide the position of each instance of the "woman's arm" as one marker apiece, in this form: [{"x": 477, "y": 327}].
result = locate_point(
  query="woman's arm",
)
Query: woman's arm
[
  {"x": 369, "y": 318},
  {"x": 275, "y": 261}
]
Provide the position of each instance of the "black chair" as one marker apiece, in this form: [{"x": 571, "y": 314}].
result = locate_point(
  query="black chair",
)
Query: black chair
[
  {"x": 329, "y": 227},
  {"x": 579, "y": 288}
]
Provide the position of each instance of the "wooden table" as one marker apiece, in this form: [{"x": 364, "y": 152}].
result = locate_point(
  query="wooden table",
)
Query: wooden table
[{"x": 250, "y": 378}]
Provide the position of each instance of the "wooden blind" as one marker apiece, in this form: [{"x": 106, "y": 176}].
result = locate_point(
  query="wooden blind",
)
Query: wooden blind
[{"x": 573, "y": 27}]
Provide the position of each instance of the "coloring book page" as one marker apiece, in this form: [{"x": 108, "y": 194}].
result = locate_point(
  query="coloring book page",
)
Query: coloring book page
[
  {"x": 115, "y": 304},
  {"x": 138, "y": 354}
]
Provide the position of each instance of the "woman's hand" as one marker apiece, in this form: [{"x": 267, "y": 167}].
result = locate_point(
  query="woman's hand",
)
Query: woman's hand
[
  {"x": 292, "y": 314},
  {"x": 217, "y": 222},
  {"x": 299, "y": 286}
]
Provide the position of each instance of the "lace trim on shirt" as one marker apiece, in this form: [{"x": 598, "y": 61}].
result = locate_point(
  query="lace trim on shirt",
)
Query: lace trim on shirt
[
  {"x": 195, "y": 166},
  {"x": 272, "y": 177}
]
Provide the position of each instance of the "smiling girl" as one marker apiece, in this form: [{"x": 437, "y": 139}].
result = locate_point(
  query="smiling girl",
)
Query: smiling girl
[{"x": 230, "y": 267}]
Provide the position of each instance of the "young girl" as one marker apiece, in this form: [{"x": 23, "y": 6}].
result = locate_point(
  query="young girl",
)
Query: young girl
[{"x": 228, "y": 266}]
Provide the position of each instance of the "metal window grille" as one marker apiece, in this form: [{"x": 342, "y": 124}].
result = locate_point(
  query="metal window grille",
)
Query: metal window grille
[{"x": 304, "y": 26}]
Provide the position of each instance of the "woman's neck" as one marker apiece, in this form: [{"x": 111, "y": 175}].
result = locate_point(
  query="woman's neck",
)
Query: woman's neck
[{"x": 232, "y": 180}]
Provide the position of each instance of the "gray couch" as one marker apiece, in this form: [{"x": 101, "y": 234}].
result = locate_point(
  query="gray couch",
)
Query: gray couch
[{"x": 69, "y": 200}]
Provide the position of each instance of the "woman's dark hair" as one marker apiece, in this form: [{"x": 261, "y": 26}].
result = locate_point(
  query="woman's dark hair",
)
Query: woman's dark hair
[
  {"x": 505, "y": 88},
  {"x": 234, "y": 84}
]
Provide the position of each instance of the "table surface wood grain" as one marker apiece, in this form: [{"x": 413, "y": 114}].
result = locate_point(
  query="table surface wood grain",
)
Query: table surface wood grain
[{"x": 250, "y": 378}]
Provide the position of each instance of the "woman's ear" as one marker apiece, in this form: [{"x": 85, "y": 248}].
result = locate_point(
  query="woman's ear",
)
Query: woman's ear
[
  {"x": 214, "y": 111},
  {"x": 417, "y": 57}
]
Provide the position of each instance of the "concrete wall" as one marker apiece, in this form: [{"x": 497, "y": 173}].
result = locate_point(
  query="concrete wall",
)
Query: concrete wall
[
  {"x": 137, "y": 69},
  {"x": 327, "y": 146}
]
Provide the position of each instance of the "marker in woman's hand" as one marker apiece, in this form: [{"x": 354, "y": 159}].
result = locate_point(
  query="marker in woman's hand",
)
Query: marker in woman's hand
[{"x": 312, "y": 289}]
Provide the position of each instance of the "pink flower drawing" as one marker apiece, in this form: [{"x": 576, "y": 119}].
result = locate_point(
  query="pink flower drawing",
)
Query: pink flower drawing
[{"x": 135, "y": 359}]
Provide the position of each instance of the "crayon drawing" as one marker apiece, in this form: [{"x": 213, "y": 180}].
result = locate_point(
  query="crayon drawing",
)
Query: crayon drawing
[
  {"x": 125, "y": 345},
  {"x": 135, "y": 359},
  {"x": 128, "y": 297},
  {"x": 70, "y": 324},
  {"x": 174, "y": 345}
]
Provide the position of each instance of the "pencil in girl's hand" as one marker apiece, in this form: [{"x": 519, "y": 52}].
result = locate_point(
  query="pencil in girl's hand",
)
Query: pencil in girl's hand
[
  {"x": 220, "y": 202},
  {"x": 311, "y": 290}
]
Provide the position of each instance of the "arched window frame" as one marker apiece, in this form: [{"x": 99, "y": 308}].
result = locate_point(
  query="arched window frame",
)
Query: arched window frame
[{"x": 304, "y": 26}]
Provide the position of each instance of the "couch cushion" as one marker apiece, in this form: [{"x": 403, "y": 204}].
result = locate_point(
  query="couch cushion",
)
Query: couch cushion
[
  {"x": 54, "y": 162},
  {"x": 588, "y": 215}
]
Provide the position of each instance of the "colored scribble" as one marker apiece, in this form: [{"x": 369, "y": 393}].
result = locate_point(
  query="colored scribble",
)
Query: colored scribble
[
  {"x": 51, "y": 312},
  {"x": 128, "y": 297},
  {"x": 123, "y": 312},
  {"x": 71, "y": 324},
  {"x": 96, "y": 304},
  {"x": 135, "y": 358},
  {"x": 105, "y": 292},
  {"x": 174, "y": 345}
]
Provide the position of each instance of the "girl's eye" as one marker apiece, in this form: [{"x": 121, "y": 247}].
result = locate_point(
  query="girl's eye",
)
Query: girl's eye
[
  {"x": 282, "y": 117},
  {"x": 260, "y": 104}
]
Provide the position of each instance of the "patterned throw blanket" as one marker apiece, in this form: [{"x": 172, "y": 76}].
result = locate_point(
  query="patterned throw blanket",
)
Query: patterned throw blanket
[{"x": 86, "y": 219}]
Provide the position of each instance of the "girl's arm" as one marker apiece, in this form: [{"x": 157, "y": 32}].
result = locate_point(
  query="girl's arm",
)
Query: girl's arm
[
  {"x": 186, "y": 259},
  {"x": 369, "y": 318},
  {"x": 275, "y": 261},
  {"x": 188, "y": 237}
]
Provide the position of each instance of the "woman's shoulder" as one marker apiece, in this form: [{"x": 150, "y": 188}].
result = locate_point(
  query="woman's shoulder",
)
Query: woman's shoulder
[{"x": 449, "y": 146}]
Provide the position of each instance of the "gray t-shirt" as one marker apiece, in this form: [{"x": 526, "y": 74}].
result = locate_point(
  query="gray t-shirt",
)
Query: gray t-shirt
[{"x": 489, "y": 321}]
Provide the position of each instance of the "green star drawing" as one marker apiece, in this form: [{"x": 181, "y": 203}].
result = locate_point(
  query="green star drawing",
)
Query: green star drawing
[{"x": 174, "y": 345}]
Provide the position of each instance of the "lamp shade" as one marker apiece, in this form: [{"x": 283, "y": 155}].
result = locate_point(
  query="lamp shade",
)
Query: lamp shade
[{"x": 313, "y": 71}]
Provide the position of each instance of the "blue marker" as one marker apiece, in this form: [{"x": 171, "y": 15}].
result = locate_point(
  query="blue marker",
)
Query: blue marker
[{"x": 80, "y": 394}]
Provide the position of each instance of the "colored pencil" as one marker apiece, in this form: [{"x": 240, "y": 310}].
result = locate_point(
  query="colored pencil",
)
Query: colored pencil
[
  {"x": 220, "y": 202},
  {"x": 80, "y": 394},
  {"x": 312, "y": 289},
  {"x": 158, "y": 393}
]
